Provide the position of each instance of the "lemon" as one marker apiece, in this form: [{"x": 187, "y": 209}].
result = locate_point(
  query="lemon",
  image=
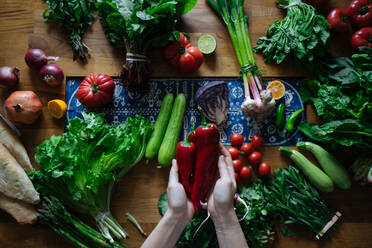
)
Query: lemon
[
  {"x": 277, "y": 89},
  {"x": 207, "y": 43},
  {"x": 57, "y": 108}
]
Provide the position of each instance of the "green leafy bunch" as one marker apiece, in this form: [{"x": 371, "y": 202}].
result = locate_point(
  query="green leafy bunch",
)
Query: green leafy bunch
[
  {"x": 302, "y": 34},
  {"x": 258, "y": 226},
  {"x": 296, "y": 201},
  {"x": 75, "y": 16},
  {"x": 343, "y": 100},
  {"x": 135, "y": 24},
  {"x": 81, "y": 166}
]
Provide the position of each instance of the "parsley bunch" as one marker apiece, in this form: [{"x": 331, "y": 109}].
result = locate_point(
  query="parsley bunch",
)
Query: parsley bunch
[
  {"x": 75, "y": 16},
  {"x": 302, "y": 34}
]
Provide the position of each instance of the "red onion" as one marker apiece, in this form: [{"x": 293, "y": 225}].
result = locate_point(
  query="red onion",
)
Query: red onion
[
  {"x": 52, "y": 74},
  {"x": 9, "y": 77},
  {"x": 36, "y": 58}
]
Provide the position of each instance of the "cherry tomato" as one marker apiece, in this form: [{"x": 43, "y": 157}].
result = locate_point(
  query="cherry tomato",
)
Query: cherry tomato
[
  {"x": 264, "y": 169},
  {"x": 257, "y": 141},
  {"x": 246, "y": 148},
  {"x": 236, "y": 139},
  {"x": 237, "y": 163},
  {"x": 233, "y": 152},
  {"x": 245, "y": 172},
  {"x": 236, "y": 176},
  {"x": 255, "y": 158}
]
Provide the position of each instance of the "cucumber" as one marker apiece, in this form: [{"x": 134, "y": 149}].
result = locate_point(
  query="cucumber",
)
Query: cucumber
[
  {"x": 315, "y": 175},
  {"x": 160, "y": 127},
  {"x": 330, "y": 165},
  {"x": 168, "y": 146}
]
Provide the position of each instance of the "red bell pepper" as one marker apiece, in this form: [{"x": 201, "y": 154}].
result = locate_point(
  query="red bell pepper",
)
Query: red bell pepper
[
  {"x": 362, "y": 37},
  {"x": 360, "y": 13},
  {"x": 337, "y": 19},
  {"x": 206, "y": 168},
  {"x": 185, "y": 156}
]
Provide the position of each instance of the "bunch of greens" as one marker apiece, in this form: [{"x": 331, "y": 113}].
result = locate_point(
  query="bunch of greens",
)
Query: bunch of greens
[
  {"x": 258, "y": 225},
  {"x": 81, "y": 167},
  {"x": 343, "y": 100},
  {"x": 295, "y": 201},
  {"x": 232, "y": 13},
  {"x": 302, "y": 33},
  {"x": 55, "y": 215},
  {"x": 135, "y": 25},
  {"x": 75, "y": 16}
]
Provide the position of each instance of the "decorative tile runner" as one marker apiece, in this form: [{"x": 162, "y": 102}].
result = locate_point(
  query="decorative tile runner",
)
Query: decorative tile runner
[{"x": 148, "y": 104}]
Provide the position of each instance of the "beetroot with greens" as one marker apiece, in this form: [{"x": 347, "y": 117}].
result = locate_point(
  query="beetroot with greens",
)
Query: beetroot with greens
[{"x": 136, "y": 25}]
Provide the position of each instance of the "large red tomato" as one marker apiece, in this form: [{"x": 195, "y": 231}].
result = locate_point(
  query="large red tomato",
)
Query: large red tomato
[
  {"x": 183, "y": 56},
  {"x": 96, "y": 90}
]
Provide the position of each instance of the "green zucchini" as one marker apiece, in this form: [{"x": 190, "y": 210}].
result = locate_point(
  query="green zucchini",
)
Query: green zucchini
[
  {"x": 169, "y": 144},
  {"x": 315, "y": 175},
  {"x": 330, "y": 165},
  {"x": 160, "y": 127}
]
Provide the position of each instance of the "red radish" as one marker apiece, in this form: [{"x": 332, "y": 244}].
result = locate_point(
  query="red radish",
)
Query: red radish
[
  {"x": 23, "y": 107},
  {"x": 37, "y": 58},
  {"x": 52, "y": 75},
  {"x": 9, "y": 77}
]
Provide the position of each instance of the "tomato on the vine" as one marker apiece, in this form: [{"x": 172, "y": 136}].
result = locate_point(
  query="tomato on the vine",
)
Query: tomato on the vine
[
  {"x": 237, "y": 164},
  {"x": 236, "y": 139},
  {"x": 245, "y": 172},
  {"x": 257, "y": 141},
  {"x": 234, "y": 152},
  {"x": 236, "y": 176},
  {"x": 264, "y": 169},
  {"x": 255, "y": 158},
  {"x": 246, "y": 148}
]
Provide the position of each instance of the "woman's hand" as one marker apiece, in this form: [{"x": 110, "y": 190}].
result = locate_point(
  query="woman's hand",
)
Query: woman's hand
[
  {"x": 178, "y": 204},
  {"x": 221, "y": 201}
]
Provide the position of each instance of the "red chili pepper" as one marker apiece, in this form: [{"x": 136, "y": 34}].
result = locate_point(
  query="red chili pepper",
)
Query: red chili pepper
[
  {"x": 362, "y": 37},
  {"x": 206, "y": 168},
  {"x": 185, "y": 156},
  {"x": 360, "y": 13},
  {"x": 337, "y": 19}
]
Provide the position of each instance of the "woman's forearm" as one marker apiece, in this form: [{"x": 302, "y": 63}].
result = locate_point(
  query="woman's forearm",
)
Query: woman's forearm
[
  {"x": 228, "y": 230},
  {"x": 167, "y": 232}
]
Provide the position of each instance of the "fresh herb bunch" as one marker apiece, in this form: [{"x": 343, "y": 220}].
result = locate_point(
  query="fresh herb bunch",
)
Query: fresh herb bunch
[
  {"x": 56, "y": 216},
  {"x": 295, "y": 201},
  {"x": 257, "y": 226},
  {"x": 232, "y": 13},
  {"x": 302, "y": 34},
  {"x": 135, "y": 25},
  {"x": 81, "y": 167},
  {"x": 343, "y": 101},
  {"x": 75, "y": 16}
]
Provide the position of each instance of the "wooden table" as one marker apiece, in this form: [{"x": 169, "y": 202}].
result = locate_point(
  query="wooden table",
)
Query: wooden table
[{"x": 22, "y": 27}]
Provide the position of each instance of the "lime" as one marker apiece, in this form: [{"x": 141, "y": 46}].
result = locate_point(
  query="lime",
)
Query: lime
[{"x": 207, "y": 43}]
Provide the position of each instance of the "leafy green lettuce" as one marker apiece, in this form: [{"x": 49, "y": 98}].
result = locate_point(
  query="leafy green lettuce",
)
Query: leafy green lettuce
[
  {"x": 81, "y": 166},
  {"x": 343, "y": 101}
]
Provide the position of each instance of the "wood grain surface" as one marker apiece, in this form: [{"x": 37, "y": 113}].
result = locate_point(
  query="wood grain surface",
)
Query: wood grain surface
[{"x": 22, "y": 27}]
